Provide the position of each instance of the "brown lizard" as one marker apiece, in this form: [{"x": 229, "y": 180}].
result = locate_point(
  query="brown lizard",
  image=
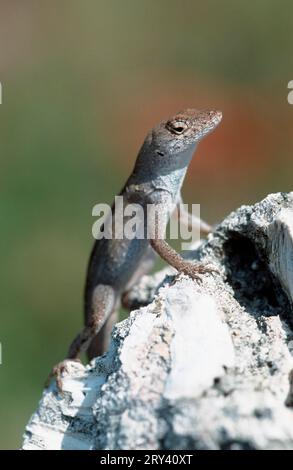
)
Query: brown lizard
[{"x": 116, "y": 264}]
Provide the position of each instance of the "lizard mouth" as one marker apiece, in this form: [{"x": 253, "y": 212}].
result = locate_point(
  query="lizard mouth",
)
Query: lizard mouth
[
  {"x": 210, "y": 122},
  {"x": 216, "y": 116}
]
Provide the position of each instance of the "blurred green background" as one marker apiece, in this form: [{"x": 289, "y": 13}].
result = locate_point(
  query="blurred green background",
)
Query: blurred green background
[{"x": 82, "y": 84}]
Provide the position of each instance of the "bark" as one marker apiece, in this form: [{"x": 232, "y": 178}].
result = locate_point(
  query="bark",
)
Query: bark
[{"x": 195, "y": 366}]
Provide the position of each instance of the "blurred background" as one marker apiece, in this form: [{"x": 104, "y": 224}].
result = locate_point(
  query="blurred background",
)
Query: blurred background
[{"x": 82, "y": 84}]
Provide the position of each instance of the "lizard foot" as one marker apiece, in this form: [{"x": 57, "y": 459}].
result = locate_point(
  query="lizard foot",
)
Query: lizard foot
[
  {"x": 58, "y": 372},
  {"x": 195, "y": 270}
]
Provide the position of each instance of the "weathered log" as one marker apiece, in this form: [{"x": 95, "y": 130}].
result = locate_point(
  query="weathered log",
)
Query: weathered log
[{"x": 197, "y": 365}]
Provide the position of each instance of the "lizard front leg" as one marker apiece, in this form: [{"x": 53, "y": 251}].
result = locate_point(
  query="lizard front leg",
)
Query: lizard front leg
[{"x": 173, "y": 258}]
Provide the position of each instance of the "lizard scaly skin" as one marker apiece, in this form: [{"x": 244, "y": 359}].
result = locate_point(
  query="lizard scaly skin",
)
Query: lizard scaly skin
[{"x": 116, "y": 264}]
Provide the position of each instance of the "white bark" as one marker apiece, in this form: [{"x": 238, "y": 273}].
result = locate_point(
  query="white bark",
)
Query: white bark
[{"x": 202, "y": 366}]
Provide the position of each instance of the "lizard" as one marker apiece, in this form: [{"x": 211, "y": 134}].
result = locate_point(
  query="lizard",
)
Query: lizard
[{"x": 116, "y": 264}]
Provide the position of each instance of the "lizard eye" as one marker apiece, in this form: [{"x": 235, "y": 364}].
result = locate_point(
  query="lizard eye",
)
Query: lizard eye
[{"x": 176, "y": 127}]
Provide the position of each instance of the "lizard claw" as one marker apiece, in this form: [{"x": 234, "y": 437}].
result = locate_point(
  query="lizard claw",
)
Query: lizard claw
[
  {"x": 195, "y": 270},
  {"x": 58, "y": 371}
]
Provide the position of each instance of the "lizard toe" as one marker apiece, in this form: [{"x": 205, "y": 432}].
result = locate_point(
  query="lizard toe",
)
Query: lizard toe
[
  {"x": 58, "y": 372},
  {"x": 195, "y": 270}
]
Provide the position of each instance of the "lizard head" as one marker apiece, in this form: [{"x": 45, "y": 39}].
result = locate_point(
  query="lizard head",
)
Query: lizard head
[
  {"x": 170, "y": 144},
  {"x": 182, "y": 131}
]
